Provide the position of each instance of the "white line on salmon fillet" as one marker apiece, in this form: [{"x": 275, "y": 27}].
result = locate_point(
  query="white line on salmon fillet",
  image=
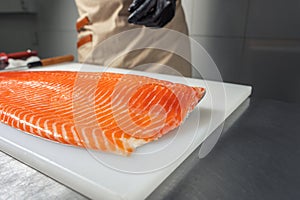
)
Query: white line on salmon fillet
[
  {"x": 75, "y": 135},
  {"x": 46, "y": 130},
  {"x": 96, "y": 139},
  {"x": 85, "y": 141},
  {"x": 23, "y": 120},
  {"x": 56, "y": 134},
  {"x": 64, "y": 132},
  {"x": 106, "y": 142},
  {"x": 4, "y": 116},
  {"x": 30, "y": 122},
  {"x": 38, "y": 126},
  {"x": 8, "y": 113},
  {"x": 14, "y": 118}
]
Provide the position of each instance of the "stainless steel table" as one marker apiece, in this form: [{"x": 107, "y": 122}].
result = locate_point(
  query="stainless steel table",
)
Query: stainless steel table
[{"x": 257, "y": 157}]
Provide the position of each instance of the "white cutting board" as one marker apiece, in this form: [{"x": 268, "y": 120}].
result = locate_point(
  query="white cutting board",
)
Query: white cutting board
[{"x": 101, "y": 175}]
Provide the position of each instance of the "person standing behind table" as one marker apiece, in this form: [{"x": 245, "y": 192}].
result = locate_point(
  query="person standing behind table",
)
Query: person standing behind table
[{"x": 101, "y": 19}]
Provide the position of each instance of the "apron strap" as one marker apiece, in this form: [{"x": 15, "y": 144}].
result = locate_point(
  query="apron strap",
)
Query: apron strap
[
  {"x": 81, "y": 23},
  {"x": 85, "y": 39}
]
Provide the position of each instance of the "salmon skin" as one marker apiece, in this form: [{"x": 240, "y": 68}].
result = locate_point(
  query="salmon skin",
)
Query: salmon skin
[{"x": 101, "y": 111}]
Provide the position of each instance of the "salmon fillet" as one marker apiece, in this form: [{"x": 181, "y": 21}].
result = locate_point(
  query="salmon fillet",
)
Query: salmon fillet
[{"x": 102, "y": 111}]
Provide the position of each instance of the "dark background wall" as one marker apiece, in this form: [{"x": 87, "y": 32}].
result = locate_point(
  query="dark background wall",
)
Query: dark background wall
[
  {"x": 251, "y": 41},
  {"x": 48, "y": 26}
]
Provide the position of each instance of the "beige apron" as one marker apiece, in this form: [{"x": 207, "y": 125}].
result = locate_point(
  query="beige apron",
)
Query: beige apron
[{"x": 101, "y": 19}]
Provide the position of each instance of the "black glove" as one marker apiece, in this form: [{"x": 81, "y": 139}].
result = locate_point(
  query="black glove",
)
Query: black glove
[{"x": 152, "y": 13}]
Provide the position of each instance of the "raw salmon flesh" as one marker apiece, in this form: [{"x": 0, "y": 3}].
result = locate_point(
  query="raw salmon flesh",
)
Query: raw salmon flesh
[{"x": 102, "y": 111}]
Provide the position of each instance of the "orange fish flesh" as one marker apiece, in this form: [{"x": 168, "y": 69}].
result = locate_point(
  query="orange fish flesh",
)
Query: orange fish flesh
[{"x": 101, "y": 111}]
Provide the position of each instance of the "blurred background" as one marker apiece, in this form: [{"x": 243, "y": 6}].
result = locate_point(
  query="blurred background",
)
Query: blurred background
[{"x": 252, "y": 41}]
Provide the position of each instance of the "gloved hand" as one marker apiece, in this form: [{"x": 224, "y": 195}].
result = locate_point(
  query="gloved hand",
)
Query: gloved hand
[{"x": 152, "y": 13}]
